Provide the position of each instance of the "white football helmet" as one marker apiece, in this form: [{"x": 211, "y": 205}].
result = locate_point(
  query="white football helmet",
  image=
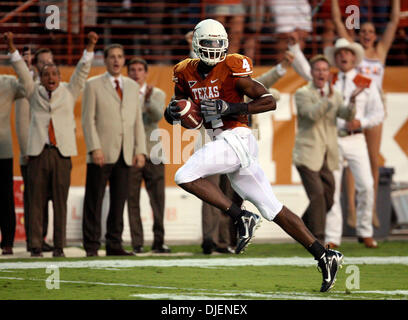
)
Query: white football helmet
[{"x": 210, "y": 41}]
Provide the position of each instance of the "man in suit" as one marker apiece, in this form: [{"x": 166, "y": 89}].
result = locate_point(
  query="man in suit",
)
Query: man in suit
[
  {"x": 346, "y": 56},
  {"x": 152, "y": 101},
  {"x": 316, "y": 151},
  {"x": 22, "y": 121},
  {"x": 10, "y": 89},
  {"x": 115, "y": 140},
  {"x": 51, "y": 141}
]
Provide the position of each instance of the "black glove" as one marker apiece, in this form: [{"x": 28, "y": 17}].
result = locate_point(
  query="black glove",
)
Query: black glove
[
  {"x": 212, "y": 108},
  {"x": 172, "y": 112}
]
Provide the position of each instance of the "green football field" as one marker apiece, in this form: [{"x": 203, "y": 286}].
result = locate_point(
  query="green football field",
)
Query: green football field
[{"x": 264, "y": 272}]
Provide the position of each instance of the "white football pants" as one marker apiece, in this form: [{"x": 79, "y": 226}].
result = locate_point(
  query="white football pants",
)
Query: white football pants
[
  {"x": 249, "y": 180},
  {"x": 352, "y": 148}
]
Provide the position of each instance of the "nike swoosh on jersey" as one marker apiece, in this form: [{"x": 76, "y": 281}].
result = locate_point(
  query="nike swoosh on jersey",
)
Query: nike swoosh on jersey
[{"x": 212, "y": 81}]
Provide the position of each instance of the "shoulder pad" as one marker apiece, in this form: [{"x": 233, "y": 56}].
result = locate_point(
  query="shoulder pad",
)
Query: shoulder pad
[
  {"x": 239, "y": 65},
  {"x": 180, "y": 67}
]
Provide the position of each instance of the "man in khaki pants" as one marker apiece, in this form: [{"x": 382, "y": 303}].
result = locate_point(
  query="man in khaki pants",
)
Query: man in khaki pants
[
  {"x": 152, "y": 103},
  {"x": 115, "y": 140},
  {"x": 22, "y": 120},
  {"x": 316, "y": 150},
  {"x": 51, "y": 141}
]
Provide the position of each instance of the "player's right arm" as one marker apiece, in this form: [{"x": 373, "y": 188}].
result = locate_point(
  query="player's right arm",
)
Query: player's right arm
[{"x": 171, "y": 113}]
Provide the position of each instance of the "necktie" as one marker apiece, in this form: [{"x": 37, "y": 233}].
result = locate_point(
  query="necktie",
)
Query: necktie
[
  {"x": 118, "y": 90},
  {"x": 322, "y": 93},
  {"x": 343, "y": 90},
  {"x": 51, "y": 132}
]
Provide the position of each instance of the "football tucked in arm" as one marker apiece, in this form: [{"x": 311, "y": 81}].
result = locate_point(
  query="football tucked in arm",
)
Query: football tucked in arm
[{"x": 190, "y": 114}]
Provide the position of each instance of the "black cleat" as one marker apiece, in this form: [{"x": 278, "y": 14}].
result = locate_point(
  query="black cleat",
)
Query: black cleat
[
  {"x": 329, "y": 264},
  {"x": 247, "y": 224},
  {"x": 208, "y": 246}
]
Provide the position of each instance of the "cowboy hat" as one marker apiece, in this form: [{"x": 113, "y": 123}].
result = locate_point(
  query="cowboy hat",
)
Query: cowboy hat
[{"x": 342, "y": 43}]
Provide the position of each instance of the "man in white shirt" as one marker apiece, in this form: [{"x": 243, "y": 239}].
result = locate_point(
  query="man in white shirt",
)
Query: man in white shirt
[
  {"x": 51, "y": 140},
  {"x": 346, "y": 56},
  {"x": 115, "y": 139},
  {"x": 152, "y": 103},
  {"x": 42, "y": 57},
  {"x": 352, "y": 144}
]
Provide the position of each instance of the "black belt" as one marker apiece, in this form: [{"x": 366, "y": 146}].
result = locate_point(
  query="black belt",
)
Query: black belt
[
  {"x": 50, "y": 146},
  {"x": 344, "y": 132}
]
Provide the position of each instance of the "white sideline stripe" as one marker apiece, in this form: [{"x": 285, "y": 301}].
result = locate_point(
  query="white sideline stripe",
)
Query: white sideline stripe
[
  {"x": 169, "y": 296},
  {"x": 226, "y": 295},
  {"x": 231, "y": 296},
  {"x": 216, "y": 262},
  {"x": 390, "y": 292},
  {"x": 95, "y": 283}
]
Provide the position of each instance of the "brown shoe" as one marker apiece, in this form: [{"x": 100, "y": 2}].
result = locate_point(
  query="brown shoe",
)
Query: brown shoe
[
  {"x": 369, "y": 242},
  {"x": 47, "y": 247},
  {"x": 36, "y": 252},
  {"x": 138, "y": 249},
  {"x": 58, "y": 253},
  {"x": 117, "y": 252},
  {"x": 331, "y": 245},
  {"x": 92, "y": 253},
  {"x": 7, "y": 251},
  {"x": 161, "y": 249}
]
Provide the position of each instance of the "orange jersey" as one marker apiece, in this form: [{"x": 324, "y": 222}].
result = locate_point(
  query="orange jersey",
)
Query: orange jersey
[{"x": 219, "y": 84}]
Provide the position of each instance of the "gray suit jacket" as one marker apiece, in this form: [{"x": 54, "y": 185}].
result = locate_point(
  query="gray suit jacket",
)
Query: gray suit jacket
[
  {"x": 10, "y": 89},
  {"x": 111, "y": 124},
  {"x": 60, "y": 108},
  {"x": 152, "y": 114},
  {"x": 269, "y": 77},
  {"x": 22, "y": 121},
  {"x": 316, "y": 127}
]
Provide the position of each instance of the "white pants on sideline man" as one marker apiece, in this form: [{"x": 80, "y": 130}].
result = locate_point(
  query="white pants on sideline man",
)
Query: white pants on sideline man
[
  {"x": 240, "y": 163},
  {"x": 353, "y": 149}
]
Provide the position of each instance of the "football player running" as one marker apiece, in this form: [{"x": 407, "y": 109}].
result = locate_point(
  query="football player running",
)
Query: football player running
[{"x": 218, "y": 82}]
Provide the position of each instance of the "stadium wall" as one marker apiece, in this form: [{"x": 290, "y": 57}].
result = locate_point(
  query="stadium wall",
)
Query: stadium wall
[{"x": 277, "y": 133}]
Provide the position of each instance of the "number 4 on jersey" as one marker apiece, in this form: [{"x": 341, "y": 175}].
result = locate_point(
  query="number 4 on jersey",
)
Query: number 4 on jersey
[{"x": 245, "y": 65}]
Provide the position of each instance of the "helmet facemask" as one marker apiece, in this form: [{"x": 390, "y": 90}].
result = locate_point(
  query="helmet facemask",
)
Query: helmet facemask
[{"x": 210, "y": 42}]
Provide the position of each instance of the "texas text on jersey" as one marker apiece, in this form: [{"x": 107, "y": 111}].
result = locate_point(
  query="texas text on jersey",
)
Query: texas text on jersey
[{"x": 218, "y": 84}]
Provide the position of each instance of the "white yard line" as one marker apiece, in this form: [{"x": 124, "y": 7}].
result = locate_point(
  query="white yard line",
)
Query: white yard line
[
  {"x": 216, "y": 262},
  {"x": 216, "y": 294}
]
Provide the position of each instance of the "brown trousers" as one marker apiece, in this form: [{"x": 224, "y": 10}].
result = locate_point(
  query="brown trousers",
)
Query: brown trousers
[
  {"x": 48, "y": 171},
  {"x": 216, "y": 225},
  {"x": 24, "y": 169},
  {"x": 319, "y": 187},
  {"x": 153, "y": 176},
  {"x": 7, "y": 211},
  {"x": 96, "y": 180}
]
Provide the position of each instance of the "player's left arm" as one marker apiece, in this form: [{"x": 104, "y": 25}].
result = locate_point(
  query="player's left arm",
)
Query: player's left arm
[{"x": 262, "y": 100}]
